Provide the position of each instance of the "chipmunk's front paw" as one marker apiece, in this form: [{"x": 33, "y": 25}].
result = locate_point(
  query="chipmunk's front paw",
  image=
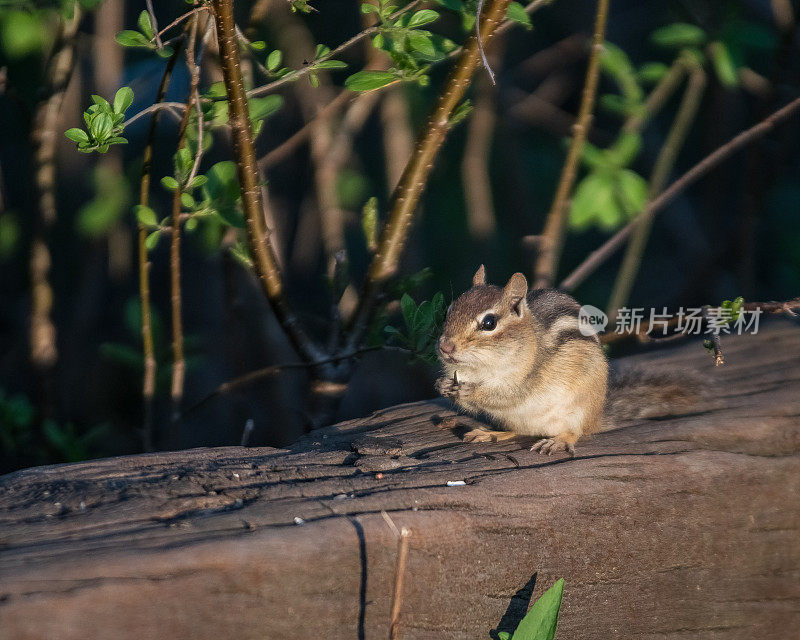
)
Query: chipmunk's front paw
[
  {"x": 449, "y": 388},
  {"x": 548, "y": 446}
]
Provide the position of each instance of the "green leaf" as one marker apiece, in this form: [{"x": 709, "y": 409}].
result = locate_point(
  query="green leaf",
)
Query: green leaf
[
  {"x": 274, "y": 59},
  {"x": 128, "y": 38},
  {"x": 624, "y": 150},
  {"x": 22, "y": 33},
  {"x": 723, "y": 64},
  {"x": 152, "y": 240},
  {"x": 422, "y": 43},
  {"x": 322, "y": 50},
  {"x": 146, "y": 216},
  {"x": 632, "y": 191},
  {"x": 191, "y": 224},
  {"x": 370, "y": 80},
  {"x": 187, "y": 201},
  {"x": 170, "y": 183},
  {"x": 679, "y": 35},
  {"x": 541, "y": 621},
  {"x": 258, "y": 45},
  {"x": 461, "y": 112},
  {"x": 123, "y": 99},
  {"x": 425, "y": 16},
  {"x": 409, "y": 308},
  {"x": 197, "y": 181},
  {"x": 516, "y": 12},
  {"x": 367, "y": 8},
  {"x": 594, "y": 203},
  {"x": 101, "y": 127},
  {"x": 652, "y": 72},
  {"x": 261, "y": 108},
  {"x": 503, "y": 635},
  {"x": 77, "y": 135},
  {"x": 331, "y": 64},
  {"x": 9, "y": 235},
  {"x": 313, "y": 79},
  {"x": 145, "y": 25}
]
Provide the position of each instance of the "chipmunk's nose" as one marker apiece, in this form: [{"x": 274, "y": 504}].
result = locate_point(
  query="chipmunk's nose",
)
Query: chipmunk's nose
[{"x": 446, "y": 346}]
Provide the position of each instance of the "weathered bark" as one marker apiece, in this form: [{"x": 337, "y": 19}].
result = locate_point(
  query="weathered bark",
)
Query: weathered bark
[{"x": 676, "y": 528}]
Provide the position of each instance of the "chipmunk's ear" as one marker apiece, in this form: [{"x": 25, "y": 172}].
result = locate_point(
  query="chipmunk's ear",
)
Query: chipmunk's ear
[
  {"x": 480, "y": 277},
  {"x": 515, "y": 291}
]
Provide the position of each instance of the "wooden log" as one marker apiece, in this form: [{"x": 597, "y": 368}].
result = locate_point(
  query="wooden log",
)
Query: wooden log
[{"x": 684, "y": 527}]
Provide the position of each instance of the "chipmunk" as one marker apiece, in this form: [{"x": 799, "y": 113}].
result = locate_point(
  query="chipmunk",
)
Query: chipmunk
[{"x": 519, "y": 358}]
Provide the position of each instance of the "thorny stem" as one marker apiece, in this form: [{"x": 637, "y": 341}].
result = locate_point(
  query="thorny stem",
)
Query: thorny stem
[
  {"x": 149, "y": 378},
  {"x": 264, "y": 261},
  {"x": 409, "y": 190},
  {"x": 178, "y": 360},
  {"x": 553, "y": 235},
  {"x": 44, "y": 352},
  {"x": 687, "y": 111},
  {"x": 600, "y": 255}
]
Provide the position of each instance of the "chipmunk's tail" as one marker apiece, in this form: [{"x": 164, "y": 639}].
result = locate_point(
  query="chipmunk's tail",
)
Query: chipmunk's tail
[{"x": 636, "y": 392}]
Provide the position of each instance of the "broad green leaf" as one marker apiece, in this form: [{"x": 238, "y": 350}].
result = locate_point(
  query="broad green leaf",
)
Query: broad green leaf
[
  {"x": 258, "y": 45},
  {"x": 187, "y": 201},
  {"x": 146, "y": 216},
  {"x": 423, "y": 17},
  {"x": 517, "y": 13},
  {"x": 322, "y": 50},
  {"x": 261, "y": 108},
  {"x": 123, "y": 99},
  {"x": 145, "y": 25},
  {"x": 152, "y": 240},
  {"x": 723, "y": 64},
  {"x": 169, "y": 183},
  {"x": 367, "y": 8},
  {"x": 77, "y": 135},
  {"x": 223, "y": 182},
  {"x": 101, "y": 127},
  {"x": 678, "y": 36},
  {"x": 652, "y": 72},
  {"x": 632, "y": 191},
  {"x": 22, "y": 33},
  {"x": 594, "y": 202},
  {"x": 197, "y": 181},
  {"x": 274, "y": 59},
  {"x": 331, "y": 64},
  {"x": 624, "y": 150},
  {"x": 128, "y": 38},
  {"x": 422, "y": 43},
  {"x": 541, "y": 621},
  {"x": 369, "y": 80}
]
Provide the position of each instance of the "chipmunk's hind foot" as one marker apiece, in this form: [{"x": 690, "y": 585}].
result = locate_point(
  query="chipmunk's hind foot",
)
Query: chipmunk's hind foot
[
  {"x": 487, "y": 435},
  {"x": 562, "y": 442}
]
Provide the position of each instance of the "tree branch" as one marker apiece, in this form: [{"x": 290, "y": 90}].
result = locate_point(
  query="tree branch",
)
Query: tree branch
[
  {"x": 600, "y": 255},
  {"x": 266, "y": 265},
  {"x": 552, "y": 237}
]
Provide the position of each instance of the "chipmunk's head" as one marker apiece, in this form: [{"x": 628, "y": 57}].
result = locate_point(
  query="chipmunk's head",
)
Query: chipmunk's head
[{"x": 487, "y": 326}]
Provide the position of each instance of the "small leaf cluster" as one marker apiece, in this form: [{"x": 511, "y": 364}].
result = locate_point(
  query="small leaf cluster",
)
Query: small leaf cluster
[
  {"x": 467, "y": 9},
  {"x": 541, "y": 621},
  {"x": 611, "y": 193},
  {"x": 422, "y": 325},
  {"x": 411, "y": 48},
  {"x": 144, "y": 38},
  {"x": 732, "y": 310},
  {"x": 104, "y": 123}
]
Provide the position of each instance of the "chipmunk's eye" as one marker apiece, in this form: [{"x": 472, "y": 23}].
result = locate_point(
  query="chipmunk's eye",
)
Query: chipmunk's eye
[{"x": 489, "y": 322}]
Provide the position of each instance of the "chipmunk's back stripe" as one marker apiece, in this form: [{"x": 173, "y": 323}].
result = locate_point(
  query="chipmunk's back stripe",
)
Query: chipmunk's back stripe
[
  {"x": 568, "y": 335},
  {"x": 549, "y": 305}
]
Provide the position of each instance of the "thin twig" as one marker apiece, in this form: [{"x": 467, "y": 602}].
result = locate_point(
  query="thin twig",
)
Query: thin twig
[
  {"x": 553, "y": 235},
  {"x": 149, "y": 377},
  {"x": 600, "y": 255},
  {"x": 178, "y": 360},
  {"x": 399, "y": 578},
  {"x": 265, "y": 372},
  {"x": 665, "y": 161},
  {"x": 180, "y": 19},
  {"x": 154, "y": 108},
  {"x": 154, "y": 22}
]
